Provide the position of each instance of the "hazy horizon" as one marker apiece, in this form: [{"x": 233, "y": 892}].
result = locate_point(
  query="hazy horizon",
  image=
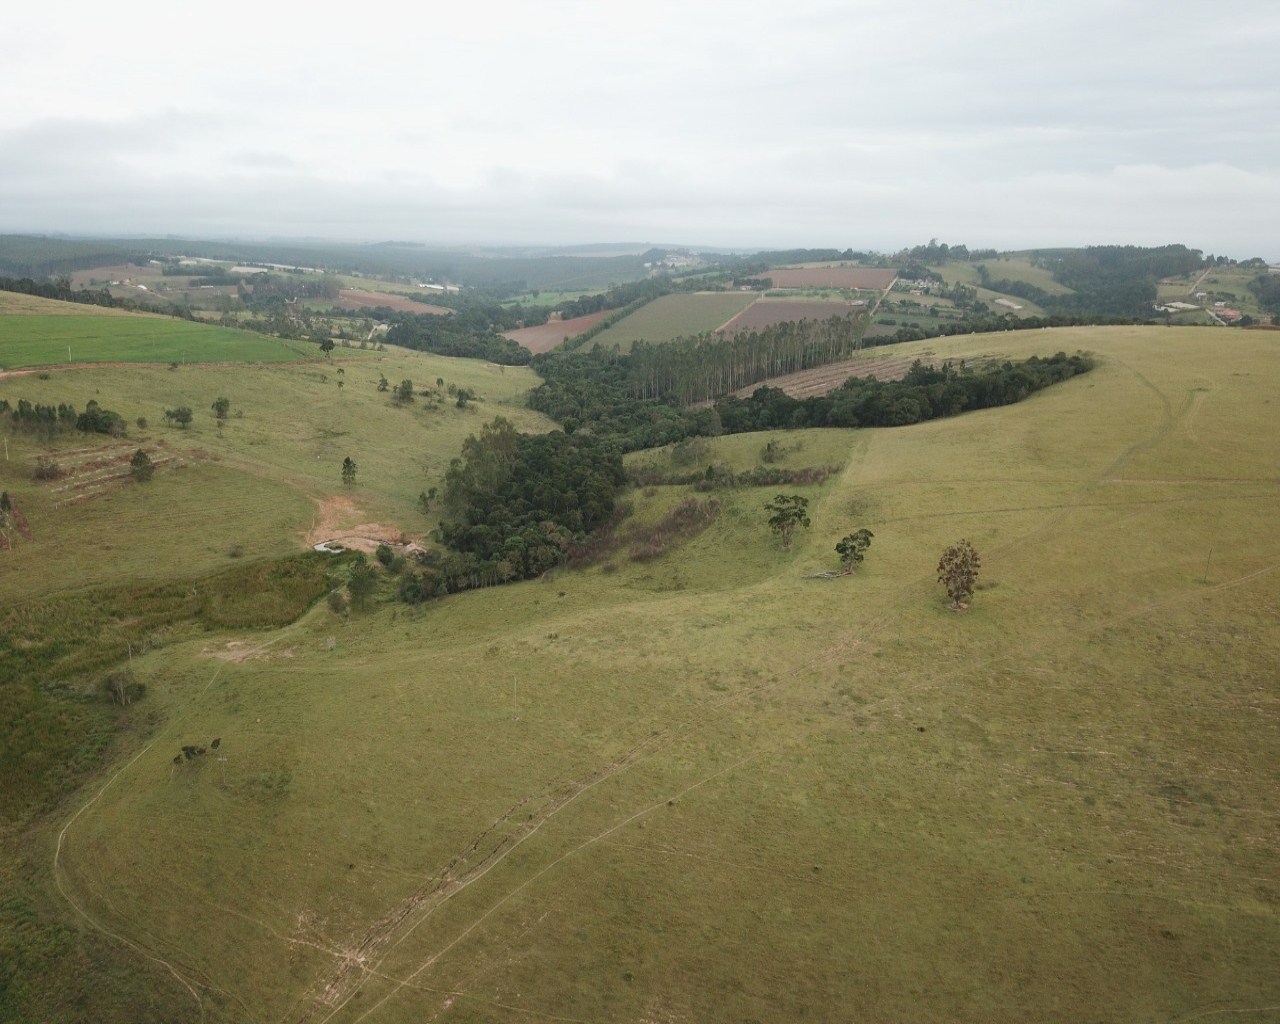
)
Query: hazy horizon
[{"x": 735, "y": 126}]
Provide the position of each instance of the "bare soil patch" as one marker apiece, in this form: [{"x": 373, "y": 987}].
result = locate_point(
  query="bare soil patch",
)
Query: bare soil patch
[
  {"x": 869, "y": 278},
  {"x": 239, "y": 651},
  {"x": 338, "y": 522},
  {"x": 351, "y": 298},
  {"x": 547, "y": 336},
  {"x": 768, "y": 312}
]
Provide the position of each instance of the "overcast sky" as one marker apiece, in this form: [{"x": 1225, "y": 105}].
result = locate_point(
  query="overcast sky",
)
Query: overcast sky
[{"x": 859, "y": 124}]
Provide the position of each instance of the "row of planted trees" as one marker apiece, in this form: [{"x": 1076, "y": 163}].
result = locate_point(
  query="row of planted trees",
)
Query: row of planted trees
[{"x": 690, "y": 370}]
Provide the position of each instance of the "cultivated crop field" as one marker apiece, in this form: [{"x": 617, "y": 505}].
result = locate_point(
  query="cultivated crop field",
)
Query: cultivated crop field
[
  {"x": 358, "y": 299},
  {"x": 43, "y": 340},
  {"x": 547, "y": 336},
  {"x": 820, "y": 276},
  {"x": 710, "y": 786},
  {"x": 674, "y": 316},
  {"x": 768, "y": 312}
]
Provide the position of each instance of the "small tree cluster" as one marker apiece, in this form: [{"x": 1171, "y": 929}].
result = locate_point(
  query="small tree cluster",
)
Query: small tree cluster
[
  {"x": 190, "y": 751},
  {"x": 181, "y": 416}
]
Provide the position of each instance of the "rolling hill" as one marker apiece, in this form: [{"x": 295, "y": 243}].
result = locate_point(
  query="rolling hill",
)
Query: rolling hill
[{"x": 704, "y": 786}]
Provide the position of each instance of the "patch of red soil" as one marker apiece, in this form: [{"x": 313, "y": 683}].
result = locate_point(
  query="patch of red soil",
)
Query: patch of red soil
[
  {"x": 351, "y": 298},
  {"x": 545, "y": 337},
  {"x": 337, "y": 520},
  {"x": 768, "y": 312}
]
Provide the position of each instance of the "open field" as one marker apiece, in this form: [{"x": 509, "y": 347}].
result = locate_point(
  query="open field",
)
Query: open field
[
  {"x": 710, "y": 787},
  {"x": 256, "y": 486},
  {"x": 17, "y": 304},
  {"x": 683, "y": 314},
  {"x": 547, "y": 336},
  {"x": 768, "y": 312},
  {"x": 856, "y": 278},
  {"x": 1003, "y": 268},
  {"x": 352, "y": 298},
  {"x": 43, "y": 340}
]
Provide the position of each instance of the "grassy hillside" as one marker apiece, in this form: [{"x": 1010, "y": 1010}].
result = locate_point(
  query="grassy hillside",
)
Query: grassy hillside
[
  {"x": 252, "y": 487},
  {"x": 710, "y": 787},
  {"x": 42, "y": 340},
  {"x": 1009, "y": 267}
]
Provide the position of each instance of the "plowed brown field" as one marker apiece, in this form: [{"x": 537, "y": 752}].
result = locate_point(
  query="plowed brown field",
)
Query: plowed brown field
[
  {"x": 767, "y": 312},
  {"x": 351, "y": 298},
  {"x": 547, "y": 336},
  {"x": 870, "y": 278}
]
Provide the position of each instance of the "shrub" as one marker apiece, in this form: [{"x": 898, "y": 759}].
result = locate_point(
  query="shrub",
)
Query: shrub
[{"x": 46, "y": 469}]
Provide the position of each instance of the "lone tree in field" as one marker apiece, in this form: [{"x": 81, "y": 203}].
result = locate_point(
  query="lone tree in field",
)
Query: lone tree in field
[
  {"x": 363, "y": 581},
  {"x": 853, "y": 548},
  {"x": 221, "y": 406},
  {"x": 326, "y": 346},
  {"x": 349, "y": 471},
  {"x": 141, "y": 466},
  {"x": 786, "y": 512},
  {"x": 180, "y": 416},
  {"x": 958, "y": 572}
]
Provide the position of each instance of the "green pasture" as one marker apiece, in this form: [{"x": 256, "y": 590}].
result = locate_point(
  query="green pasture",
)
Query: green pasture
[
  {"x": 674, "y": 316},
  {"x": 1003, "y": 268},
  {"x": 251, "y": 485},
  {"x": 45, "y": 340},
  {"x": 711, "y": 787}
]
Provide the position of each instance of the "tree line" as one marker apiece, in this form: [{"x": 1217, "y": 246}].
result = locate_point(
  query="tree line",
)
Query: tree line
[
  {"x": 596, "y": 391},
  {"x": 48, "y": 420},
  {"x": 924, "y": 393}
]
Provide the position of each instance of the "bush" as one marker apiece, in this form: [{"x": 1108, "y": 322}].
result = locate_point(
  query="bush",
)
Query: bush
[
  {"x": 383, "y": 554},
  {"x": 337, "y": 603},
  {"x": 46, "y": 469},
  {"x": 122, "y": 688},
  {"x": 141, "y": 466}
]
